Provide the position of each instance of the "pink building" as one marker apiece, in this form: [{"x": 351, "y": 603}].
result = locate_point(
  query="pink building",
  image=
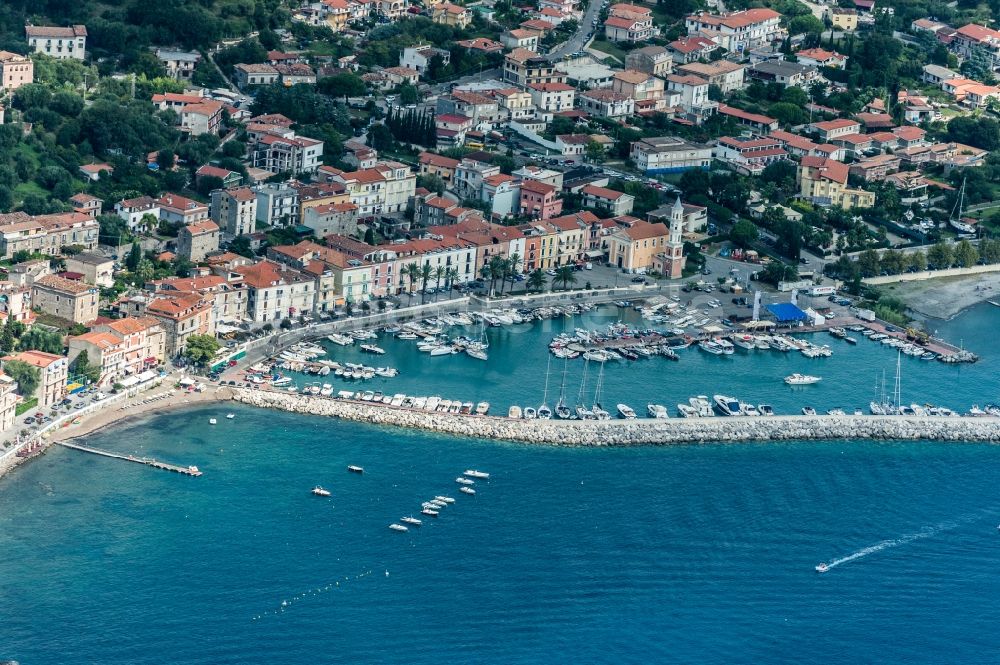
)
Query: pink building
[{"x": 539, "y": 200}]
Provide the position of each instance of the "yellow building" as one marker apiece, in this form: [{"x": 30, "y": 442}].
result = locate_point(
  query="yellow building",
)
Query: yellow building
[
  {"x": 454, "y": 15},
  {"x": 320, "y": 194},
  {"x": 823, "y": 181},
  {"x": 338, "y": 14},
  {"x": 634, "y": 248},
  {"x": 843, "y": 19}
]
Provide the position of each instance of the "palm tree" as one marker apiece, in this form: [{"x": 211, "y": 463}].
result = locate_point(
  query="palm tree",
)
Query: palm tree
[
  {"x": 412, "y": 271},
  {"x": 496, "y": 270},
  {"x": 514, "y": 262},
  {"x": 449, "y": 277},
  {"x": 425, "y": 274},
  {"x": 504, "y": 273},
  {"x": 566, "y": 275},
  {"x": 536, "y": 280},
  {"x": 439, "y": 274}
]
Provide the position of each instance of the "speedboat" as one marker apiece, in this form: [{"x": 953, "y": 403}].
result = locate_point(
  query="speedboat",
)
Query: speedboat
[
  {"x": 319, "y": 491},
  {"x": 430, "y": 512},
  {"x": 472, "y": 473},
  {"x": 444, "y": 499},
  {"x": 398, "y": 527},
  {"x": 482, "y": 408},
  {"x": 765, "y": 409},
  {"x": 729, "y": 406},
  {"x": 711, "y": 346},
  {"x": 464, "y": 481},
  {"x": 514, "y": 412},
  {"x": 808, "y": 411},
  {"x": 411, "y": 520},
  {"x": 750, "y": 410},
  {"x": 355, "y": 469},
  {"x": 657, "y": 411},
  {"x": 544, "y": 412},
  {"x": 701, "y": 406},
  {"x": 802, "y": 379},
  {"x": 371, "y": 348},
  {"x": 466, "y": 490},
  {"x": 230, "y": 416},
  {"x": 212, "y": 421},
  {"x": 530, "y": 413},
  {"x": 687, "y": 411},
  {"x": 822, "y": 568},
  {"x": 626, "y": 411}
]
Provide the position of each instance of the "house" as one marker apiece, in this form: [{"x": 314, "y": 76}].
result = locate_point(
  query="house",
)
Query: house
[
  {"x": 523, "y": 68},
  {"x": 782, "y": 72},
  {"x": 692, "y": 218},
  {"x": 277, "y": 204},
  {"x": 180, "y": 65},
  {"x": 178, "y": 209},
  {"x": 907, "y": 137},
  {"x": 636, "y": 28},
  {"x": 438, "y": 165},
  {"x": 401, "y": 75},
  {"x": 607, "y": 104},
  {"x": 419, "y": 57},
  {"x": 86, "y": 204},
  {"x": 516, "y": 103},
  {"x": 64, "y": 298},
  {"x": 483, "y": 109},
  {"x": 973, "y": 38},
  {"x": 552, "y": 96},
  {"x": 911, "y": 185},
  {"x": 633, "y": 248},
  {"x": 644, "y": 88},
  {"x": 727, "y": 75},
  {"x": 228, "y": 178},
  {"x": 53, "y": 371},
  {"x": 824, "y": 182},
  {"x": 521, "y": 38},
  {"x": 875, "y": 121},
  {"x": 760, "y": 124},
  {"x": 540, "y": 174},
  {"x": 470, "y": 175},
  {"x": 59, "y": 43},
  {"x": 818, "y": 57},
  {"x": 331, "y": 218},
  {"x": 936, "y": 75},
  {"x": 539, "y": 200},
  {"x": 8, "y": 402},
  {"x": 93, "y": 172},
  {"x": 842, "y": 18},
  {"x": 669, "y": 154},
  {"x": 748, "y": 156},
  {"x": 295, "y": 74},
  {"x": 277, "y": 153},
  {"x": 96, "y": 269},
  {"x": 447, "y": 13},
  {"x": 614, "y": 202},
  {"x": 737, "y": 31},
  {"x": 691, "y": 49},
  {"x": 121, "y": 348},
  {"x": 482, "y": 45},
  {"x": 692, "y": 93},
  {"x": 180, "y": 315},
  {"x": 793, "y": 143},
  {"x": 855, "y": 145},
  {"x": 234, "y": 210},
  {"x": 226, "y": 291},
  {"x": 655, "y": 60},
  {"x": 15, "y": 70},
  {"x": 196, "y": 241},
  {"x": 133, "y": 210},
  {"x": 875, "y": 168},
  {"x": 46, "y": 234},
  {"x": 451, "y": 129},
  {"x": 246, "y": 76},
  {"x": 828, "y": 130}
]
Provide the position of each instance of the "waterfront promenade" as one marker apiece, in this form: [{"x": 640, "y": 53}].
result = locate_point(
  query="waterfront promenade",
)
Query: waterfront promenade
[{"x": 640, "y": 431}]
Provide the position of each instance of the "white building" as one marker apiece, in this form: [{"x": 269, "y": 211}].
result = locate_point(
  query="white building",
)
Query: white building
[
  {"x": 61, "y": 43},
  {"x": 669, "y": 154}
]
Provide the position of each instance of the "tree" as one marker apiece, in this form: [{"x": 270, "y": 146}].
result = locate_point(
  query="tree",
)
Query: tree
[
  {"x": 201, "y": 349},
  {"x": 408, "y": 94},
  {"x": 744, "y": 233},
  {"x": 39, "y": 339},
  {"x": 27, "y": 376},
  {"x": 595, "y": 152},
  {"x": 566, "y": 275},
  {"x": 81, "y": 366},
  {"x": 286, "y": 324},
  {"x": 134, "y": 257},
  {"x": 425, "y": 274},
  {"x": 917, "y": 261},
  {"x": 347, "y": 84},
  {"x": 241, "y": 245},
  {"x": 496, "y": 266},
  {"x": 869, "y": 263},
  {"x": 893, "y": 262},
  {"x": 965, "y": 254},
  {"x": 536, "y": 280},
  {"x": 940, "y": 256},
  {"x": 380, "y": 137}
]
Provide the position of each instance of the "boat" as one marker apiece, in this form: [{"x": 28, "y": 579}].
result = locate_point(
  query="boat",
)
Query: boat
[
  {"x": 482, "y": 408},
  {"x": 411, "y": 520},
  {"x": 563, "y": 412},
  {"x": 746, "y": 342},
  {"x": 466, "y": 490},
  {"x": 837, "y": 411},
  {"x": 282, "y": 381},
  {"x": 687, "y": 411},
  {"x": 729, "y": 406},
  {"x": 626, "y": 411},
  {"x": 371, "y": 348},
  {"x": 749, "y": 410},
  {"x": 701, "y": 406},
  {"x": 596, "y": 408},
  {"x": 443, "y": 350},
  {"x": 319, "y": 491},
  {"x": 464, "y": 481},
  {"x": 230, "y": 416},
  {"x": 472, "y": 473},
  {"x": 514, "y": 412},
  {"x": 212, "y": 421},
  {"x": 397, "y": 527},
  {"x": 802, "y": 379},
  {"x": 529, "y": 413},
  {"x": 341, "y": 340},
  {"x": 657, "y": 411},
  {"x": 476, "y": 352},
  {"x": 544, "y": 412},
  {"x": 765, "y": 409},
  {"x": 850, "y": 340},
  {"x": 822, "y": 568},
  {"x": 444, "y": 499},
  {"x": 710, "y": 346},
  {"x": 430, "y": 512},
  {"x": 808, "y": 411},
  {"x": 727, "y": 347},
  {"x": 355, "y": 469}
]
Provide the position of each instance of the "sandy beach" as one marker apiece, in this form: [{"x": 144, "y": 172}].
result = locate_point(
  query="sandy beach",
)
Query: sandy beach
[{"x": 945, "y": 297}]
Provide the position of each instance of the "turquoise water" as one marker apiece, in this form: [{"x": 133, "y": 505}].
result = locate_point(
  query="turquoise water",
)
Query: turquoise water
[{"x": 680, "y": 554}]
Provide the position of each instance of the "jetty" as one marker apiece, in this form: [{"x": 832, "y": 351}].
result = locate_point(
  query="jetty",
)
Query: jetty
[{"x": 176, "y": 468}]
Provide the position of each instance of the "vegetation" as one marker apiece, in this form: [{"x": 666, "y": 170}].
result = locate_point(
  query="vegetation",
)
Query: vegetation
[
  {"x": 27, "y": 376},
  {"x": 201, "y": 349}
]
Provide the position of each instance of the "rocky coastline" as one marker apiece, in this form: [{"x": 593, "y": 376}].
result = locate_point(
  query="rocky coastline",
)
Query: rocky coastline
[{"x": 640, "y": 431}]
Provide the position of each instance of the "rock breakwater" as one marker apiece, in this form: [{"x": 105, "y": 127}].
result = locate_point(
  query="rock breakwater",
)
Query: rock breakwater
[{"x": 637, "y": 432}]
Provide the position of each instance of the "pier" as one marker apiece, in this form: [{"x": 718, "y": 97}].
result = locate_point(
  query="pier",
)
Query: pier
[{"x": 176, "y": 468}]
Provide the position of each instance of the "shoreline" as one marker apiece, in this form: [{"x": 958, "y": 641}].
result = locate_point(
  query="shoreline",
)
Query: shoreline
[{"x": 944, "y": 298}]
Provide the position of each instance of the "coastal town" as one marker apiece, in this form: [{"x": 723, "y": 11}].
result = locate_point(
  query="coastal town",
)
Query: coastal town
[{"x": 232, "y": 180}]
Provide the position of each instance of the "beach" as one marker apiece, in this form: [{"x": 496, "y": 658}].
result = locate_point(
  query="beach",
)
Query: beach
[{"x": 946, "y": 297}]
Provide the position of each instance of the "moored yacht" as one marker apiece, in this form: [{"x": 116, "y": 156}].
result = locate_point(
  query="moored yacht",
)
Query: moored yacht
[
  {"x": 657, "y": 411},
  {"x": 514, "y": 412},
  {"x": 687, "y": 411},
  {"x": 626, "y": 411},
  {"x": 728, "y": 406},
  {"x": 411, "y": 520},
  {"x": 466, "y": 490},
  {"x": 464, "y": 481},
  {"x": 319, "y": 491},
  {"x": 371, "y": 348},
  {"x": 397, "y": 527},
  {"x": 765, "y": 409},
  {"x": 701, "y": 406},
  {"x": 802, "y": 379},
  {"x": 530, "y": 413},
  {"x": 808, "y": 411}
]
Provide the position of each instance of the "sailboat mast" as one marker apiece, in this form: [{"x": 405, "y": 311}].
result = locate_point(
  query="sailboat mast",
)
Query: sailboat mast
[
  {"x": 583, "y": 381},
  {"x": 548, "y": 366},
  {"x": 600, "y": 382},
  {"x": 898, "y": 394}
]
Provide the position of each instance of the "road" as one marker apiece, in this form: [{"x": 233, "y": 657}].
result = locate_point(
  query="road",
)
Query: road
[{"x": 583, "y": 33}]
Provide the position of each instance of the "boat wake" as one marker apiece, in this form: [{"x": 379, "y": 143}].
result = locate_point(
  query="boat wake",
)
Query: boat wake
[
  {"x": 287, "y": 603},
  {"x": 926, "y": 532}
]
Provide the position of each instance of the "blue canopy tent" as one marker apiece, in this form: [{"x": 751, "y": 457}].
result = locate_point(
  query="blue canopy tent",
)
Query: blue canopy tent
[{"x": 786, "y": 313}]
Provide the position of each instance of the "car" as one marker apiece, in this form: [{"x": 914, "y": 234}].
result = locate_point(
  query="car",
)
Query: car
[
  {"x": 803, "y": 260},
  {"x": 39, "y": 415},
  {"x": 550, "y": 272},
  {"x": 639, "y": 280},
  {"x": 78, "y": 405},
  {"x": 706, "y": 271}
]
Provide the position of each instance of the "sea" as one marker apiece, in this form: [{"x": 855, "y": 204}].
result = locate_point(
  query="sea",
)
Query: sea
[{"x": 678, "y": 554}]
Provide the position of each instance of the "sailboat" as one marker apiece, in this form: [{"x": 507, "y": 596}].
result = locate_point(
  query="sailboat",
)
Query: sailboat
[
  {"x": 544, "y": 412},
  {"x": 956, "y": 215},
  {"x": 563, "y": 411},
  {"x": 478, "y": 348},
  {"x": 597, "y": 410},
  {"x": 582, "y": 412}
]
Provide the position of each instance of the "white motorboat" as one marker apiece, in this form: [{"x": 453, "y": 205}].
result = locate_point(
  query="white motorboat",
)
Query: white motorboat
[
  {"x": 230, "y": 416},
  {"x": 802, "y": 379},
  {"x": 765, "y": 409},
  {"x": 701, "y": 405},
  {"x": 687, "y": 411},
  {"x": 530, "y": 413},
  {"x": 443, "y": 350},
  {"x": 371, "y": 348},
  {"x": 482, "y": 408},
  {"x": 657, "y": 411},
  {"x": 514, "y": 412},
  {"x": 283, "y": 381},
  {"x": 472, "y": 473},
  {"x": 466, "y": 490},
  {"x": 822, "y": 568},
  {"x": 808, "y": 411},
  {"x": 626, "y": 411},
  {"x": 319, "y": 491},
  {"x": 726, "y": 346},
  {"x": 729, "y": 406},
  {"x": 746, "y": 342},
  {"x": 464, "y": 481},
  {"x": 355, "y": 469},
  {"x": 212, "y": 421},
  {"x": 444, "y": 499},
  {"x": 750, "y": 410},
  {"x": 397, "y": 527},
  {"x": 411, "y": 520},
  {"x": 430, "y": 512},
  {"x": 710, "y": 346},
  {"x": 341, "y": 340},
  {"x": 544, "y": 412}
]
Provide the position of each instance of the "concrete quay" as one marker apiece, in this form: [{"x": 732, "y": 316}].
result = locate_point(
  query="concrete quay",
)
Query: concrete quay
[{"x": 640, "y": 431}]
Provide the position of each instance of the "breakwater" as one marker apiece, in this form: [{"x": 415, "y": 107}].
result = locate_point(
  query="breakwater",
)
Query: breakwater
[{"x": 637, "y": 432}]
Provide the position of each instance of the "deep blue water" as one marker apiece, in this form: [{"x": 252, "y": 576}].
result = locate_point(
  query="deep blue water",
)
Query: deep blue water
[{"x": 676, "y": 554}]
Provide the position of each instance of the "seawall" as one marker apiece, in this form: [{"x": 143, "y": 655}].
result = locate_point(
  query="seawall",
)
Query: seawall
[{"x": 640, "y": 431}]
